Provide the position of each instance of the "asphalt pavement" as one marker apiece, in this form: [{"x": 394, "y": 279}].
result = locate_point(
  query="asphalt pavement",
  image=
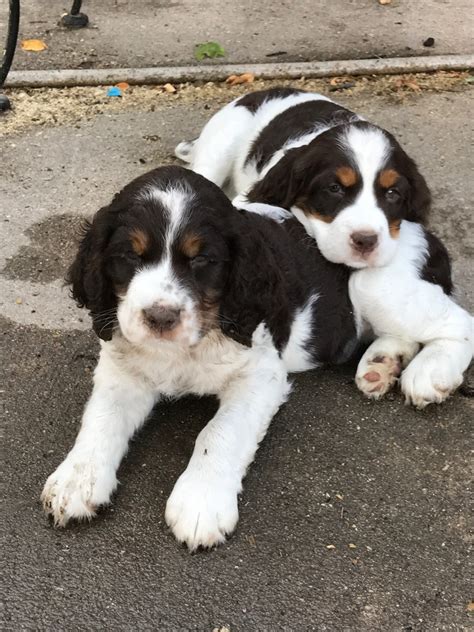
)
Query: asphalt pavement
[
  {"x": 144, "y": 33},
  {"x": 355, "y": 514}
]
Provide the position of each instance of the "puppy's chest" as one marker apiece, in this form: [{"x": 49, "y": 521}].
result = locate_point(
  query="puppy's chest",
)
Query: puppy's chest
[{"x": 203, "y": 369}]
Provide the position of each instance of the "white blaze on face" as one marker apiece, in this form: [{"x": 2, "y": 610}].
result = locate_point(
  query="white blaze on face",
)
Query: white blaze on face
[
  {"x": 368, "y": 150},
  {"x": 157, "y": 284}
]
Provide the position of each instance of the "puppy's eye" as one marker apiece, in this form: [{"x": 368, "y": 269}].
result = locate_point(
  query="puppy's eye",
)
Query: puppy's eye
[
  {"x": 335, "y": 187},
  {"x": 199, "y": 261},
  {"x": 392, "y": 195}
]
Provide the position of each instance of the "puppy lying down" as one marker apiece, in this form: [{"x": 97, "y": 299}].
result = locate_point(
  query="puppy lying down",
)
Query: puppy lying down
[
  {"x": 363, "y": 201},
  {"x": 190, "y": 295}
]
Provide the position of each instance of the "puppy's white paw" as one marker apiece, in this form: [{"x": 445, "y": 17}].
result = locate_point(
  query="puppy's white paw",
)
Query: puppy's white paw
[
  {"x": 202, "y": 510},
  {"x": 377, "y": 374},
  {"x": 76, "y": 489},
  {"x": 430, "y": 379},
  {"x": 184, "y": 150}
]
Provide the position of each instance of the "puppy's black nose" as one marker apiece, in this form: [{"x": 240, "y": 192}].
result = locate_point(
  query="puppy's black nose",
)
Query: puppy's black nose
[
  {"x": 161, "y": 317},
  {"x": 364, "y": 242}
]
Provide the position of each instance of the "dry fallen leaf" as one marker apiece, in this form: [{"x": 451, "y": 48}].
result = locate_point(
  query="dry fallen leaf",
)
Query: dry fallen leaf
[
  {"x": 470, "y": 606},
  {"x": 352, "y": 546},
  {"x": 123, "y": 85},
  {"x": 251, "y": 540},
  {"x": 407, "y": 83},
  {"x": 413, "y": 85},
  {"x": 246, "y": 77},
  {"x": 330, "y": 546},
  {"x": 385, "y": 1},
  {"x": 34, "y": 45},
  {"x": 168, "y": 87}
]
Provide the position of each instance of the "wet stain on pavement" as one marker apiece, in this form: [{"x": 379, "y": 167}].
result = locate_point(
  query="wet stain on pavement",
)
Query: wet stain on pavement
[{"x": 53, "y": 243}]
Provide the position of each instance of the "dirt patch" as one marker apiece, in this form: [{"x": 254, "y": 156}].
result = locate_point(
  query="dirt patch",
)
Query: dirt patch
[
  {"x": 58, "y": 106},
  {"x": 49, "y": 253}
]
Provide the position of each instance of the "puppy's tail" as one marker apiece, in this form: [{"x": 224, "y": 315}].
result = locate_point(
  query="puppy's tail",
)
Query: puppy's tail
[{"x": 184, "y": 150}]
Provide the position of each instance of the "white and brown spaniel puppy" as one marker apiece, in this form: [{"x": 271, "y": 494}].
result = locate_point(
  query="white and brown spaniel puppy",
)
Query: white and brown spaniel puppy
[
  {"x": 189, "y": 295},
  {"x": 363, "y": 200}
]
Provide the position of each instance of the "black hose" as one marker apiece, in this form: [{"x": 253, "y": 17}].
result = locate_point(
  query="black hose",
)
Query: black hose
[{"x": 12, "y": 37}]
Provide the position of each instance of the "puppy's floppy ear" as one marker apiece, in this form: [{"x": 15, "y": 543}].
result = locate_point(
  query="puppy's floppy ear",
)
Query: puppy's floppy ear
[
  {"x": 419, "y": 200},
  {"x": 90, "y": 286},
  {"x": 282, "y": 184},
  {"x": 254, "y": 291}
]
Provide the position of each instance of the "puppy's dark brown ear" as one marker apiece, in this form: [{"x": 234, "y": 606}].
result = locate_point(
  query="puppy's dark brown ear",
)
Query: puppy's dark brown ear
[
  {"x": 419, "y": 198},
  {"x": 90, "y": 286},
  {"x": 254, "y": 292},
  {"x": 282, "y": 184}
]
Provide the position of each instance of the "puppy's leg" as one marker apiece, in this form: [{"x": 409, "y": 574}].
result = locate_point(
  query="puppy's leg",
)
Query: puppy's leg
[
  {"x": 213, "y": 154},
  {"x": 419, "y": 312},
  {"x": 86, "y": 478},
  {"x": 202, "y": 508},
  {"x": 382, "y": 363}
]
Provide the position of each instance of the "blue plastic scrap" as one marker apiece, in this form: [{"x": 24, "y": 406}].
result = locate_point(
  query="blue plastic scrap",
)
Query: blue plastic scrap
[{"x": 114, "y": 92}]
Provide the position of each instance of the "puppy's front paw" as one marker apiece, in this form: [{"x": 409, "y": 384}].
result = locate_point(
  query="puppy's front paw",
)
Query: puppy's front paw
[
  {"x": 76, "y": 489},
  {"x": 376, "y": 375},
  {"x": 430, "y": 379},
  {"x": 202, "y": 510}
]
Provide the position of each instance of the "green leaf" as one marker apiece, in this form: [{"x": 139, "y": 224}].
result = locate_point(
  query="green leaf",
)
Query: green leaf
[
  {"x": 470, "y": 80},
  {"x": 208, "y": 49}
]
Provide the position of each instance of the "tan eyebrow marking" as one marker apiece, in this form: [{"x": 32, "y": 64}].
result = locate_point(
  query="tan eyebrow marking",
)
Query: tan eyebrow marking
[
  {"x": 388, "y": 177},
  {"x": 139, "y": 241},
  {"x": 346, "y": 176},
  {"x": 191, "y": 245}
]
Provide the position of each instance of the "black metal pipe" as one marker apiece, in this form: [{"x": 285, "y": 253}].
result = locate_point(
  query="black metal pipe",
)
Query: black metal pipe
[
  {"x": 75, "y": 19},
  {"x": 76, "y": 7}
]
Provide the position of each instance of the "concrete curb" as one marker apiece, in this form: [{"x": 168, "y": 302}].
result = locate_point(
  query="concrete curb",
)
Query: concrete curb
[{"x": 219, "y": 72}]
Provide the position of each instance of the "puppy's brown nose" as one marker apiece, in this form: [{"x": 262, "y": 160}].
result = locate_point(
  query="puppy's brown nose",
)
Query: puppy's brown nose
[
  {"x": 364, "y": 242},
  {"x": 161, "y": 317}
]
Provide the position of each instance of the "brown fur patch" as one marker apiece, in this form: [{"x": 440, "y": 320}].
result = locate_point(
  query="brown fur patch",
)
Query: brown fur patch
[
  {"x": 209, "y": 314},
  {"x": 388, "y": 177},
  {"x": 324, "y": 218},
  {"x": 139, "y": 241},
  {"x": 346, "y": 176},
  {"x": 394, "y": 228},
  {"x": 307, "y": 210},
  {"x": 191, "y": 245}
]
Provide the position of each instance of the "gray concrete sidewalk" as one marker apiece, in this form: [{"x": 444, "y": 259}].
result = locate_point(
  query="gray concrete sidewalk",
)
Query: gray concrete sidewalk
[
  {"x": 141, "y": 33},
  {"x": 385, "y": 485}
]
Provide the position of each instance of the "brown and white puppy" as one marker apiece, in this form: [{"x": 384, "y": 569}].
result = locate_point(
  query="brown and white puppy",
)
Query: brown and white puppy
[
  {"x": 189, "y": 295},
  {"x": 363, "y": 200},
  {"x": 348, "y": 181}
]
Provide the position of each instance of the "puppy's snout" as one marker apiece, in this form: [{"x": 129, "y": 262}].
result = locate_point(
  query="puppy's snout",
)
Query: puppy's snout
[
  {"x": 161, "y": 317},
  {"x": 364, "y": 242}
]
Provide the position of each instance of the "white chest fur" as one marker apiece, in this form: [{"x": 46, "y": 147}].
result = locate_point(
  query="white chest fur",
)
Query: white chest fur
[{"x": 174, "y": 369}]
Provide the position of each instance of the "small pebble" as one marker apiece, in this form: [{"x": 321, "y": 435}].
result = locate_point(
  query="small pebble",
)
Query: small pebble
[{"x": 429, "y": 42}]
